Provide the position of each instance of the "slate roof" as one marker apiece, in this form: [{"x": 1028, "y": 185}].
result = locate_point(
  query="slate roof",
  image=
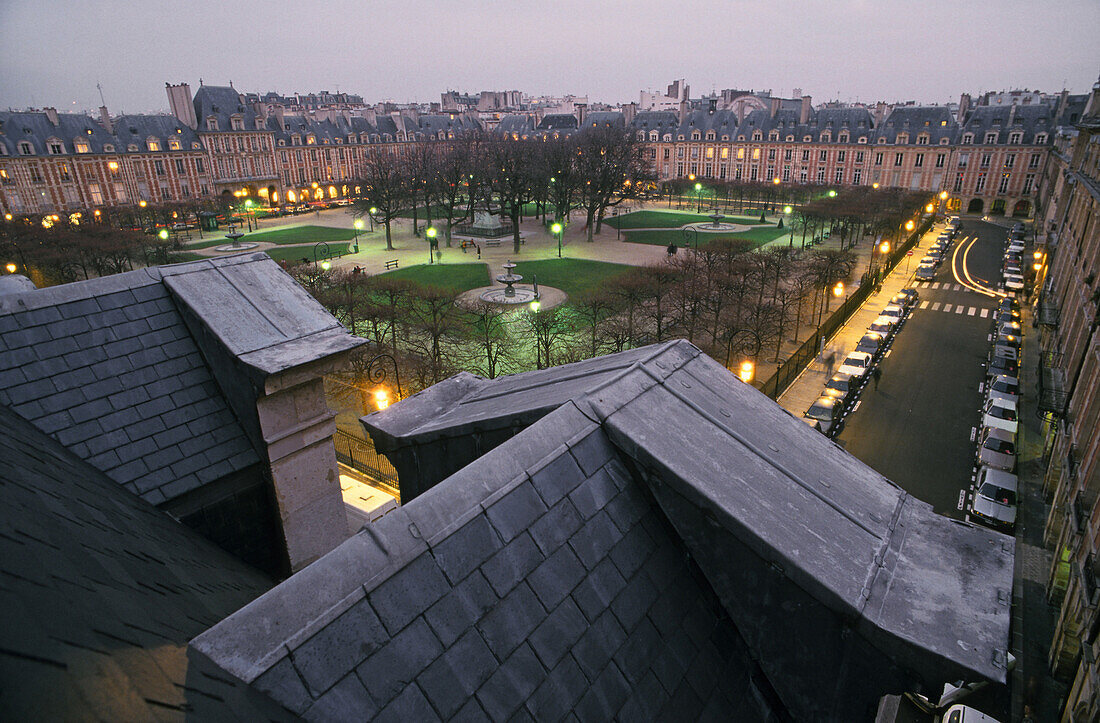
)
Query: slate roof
[
  {"x": 36, "y": 128},
  {"x": 100, "y": 594},
  {"x": 551, "y": 574},
  {"x": 1028, "y": 119},
  {"x": 138, "y": 129},
  {"x": 516, "y": 124},
  {"x": 109, "y": 369},
  {"x": 936, "y": 121},
  {"x": 221, "y": 102}
]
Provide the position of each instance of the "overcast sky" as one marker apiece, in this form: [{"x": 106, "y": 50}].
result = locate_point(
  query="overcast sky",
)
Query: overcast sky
[{"x": 55, "y": 51}]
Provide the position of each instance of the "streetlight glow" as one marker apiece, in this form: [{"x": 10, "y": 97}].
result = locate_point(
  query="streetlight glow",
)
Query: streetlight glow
[
  {"x": 381, "y": 399},
  {"x": 1038, "y": 255},
  {"x": 11, "y": 268},
  {"x": 326, "y": 265},
  {"x": 909, "y": 225},
  {"x": 163, "y": 234},
  {"x": 787, "y": 210},
  {"x": 776, "y": 180},
  {"x": 698, "y": 187},
  {"x": 838, "y": 290},
  {"x": 884, "y": 247},
  {"x": 534, "y": 306},
  {"x": 746, "y": 372},
  {"x": 928, "y": 208},
  {"x": 358, "y": 224},
  {"x": 943, "y": 195},
  {"x": 556, "y": 228},
  {"x": 832, "y": 193},
  {"x": 874, "y": 185}
]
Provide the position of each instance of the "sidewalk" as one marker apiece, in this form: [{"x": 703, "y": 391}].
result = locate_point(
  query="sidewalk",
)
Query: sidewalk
[{"x": 807, "y": 387}]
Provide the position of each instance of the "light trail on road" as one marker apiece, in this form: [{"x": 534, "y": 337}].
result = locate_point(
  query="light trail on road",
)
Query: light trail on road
[{"x": 969, "y": 281}]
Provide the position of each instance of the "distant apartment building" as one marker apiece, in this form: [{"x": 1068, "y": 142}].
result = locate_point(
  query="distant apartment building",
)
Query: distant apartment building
[
  {"x": 1068, "y": 315},
  {"x": 674, "y": 95}
]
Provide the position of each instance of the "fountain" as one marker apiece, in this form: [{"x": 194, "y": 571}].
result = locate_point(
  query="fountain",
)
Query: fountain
[
  {"x": 716, "y": 224},
  {"x": 716, "y": 218},
  {"x": 235, "y": 237},
  {"x": 509, "y": 294}
]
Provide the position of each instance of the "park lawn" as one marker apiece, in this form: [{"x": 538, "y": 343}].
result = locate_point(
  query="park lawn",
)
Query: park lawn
[
  {"x": 451, "y": 277},
  {"x": 178, "y": 257},
  {"x": 759, "y": 236},
  {"x": 297, "y": 253},
  {"x": 573, "y": 276},
  {"x": 191, "y": 246},
  {"x": 299, "y": 235},
  {"x": 668, "y": 219}
]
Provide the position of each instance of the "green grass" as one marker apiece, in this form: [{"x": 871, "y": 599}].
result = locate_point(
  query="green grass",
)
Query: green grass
[
  {"x": 573, "y": 276},
  {"x": 668, "y": 219},
  {"x": 452, "y": 277},
  {"x": 299, "y": 235},
  {"x": 297, "y": 253},
  {"x": 205, "y": 244},
  {"x": 181, "y": 256},
  {"x": 760, "y": 236}
]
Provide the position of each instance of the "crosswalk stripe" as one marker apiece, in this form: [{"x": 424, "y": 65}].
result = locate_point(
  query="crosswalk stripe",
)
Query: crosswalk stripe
[
  {"x": 985, "y": 313},
  {"x": 936, "y": 306},
  {"x": 947, "y": 307},
  {"x": 956, "y": 287},
  {"x": 936, "y": 285},
  {"x": 960, "y": 309},
  {"x": 924, "y": 304},
  {"x": 972, "y": 311}
]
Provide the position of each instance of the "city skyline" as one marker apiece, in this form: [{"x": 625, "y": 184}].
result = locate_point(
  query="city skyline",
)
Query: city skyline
[{"x": 619, "y": 51}]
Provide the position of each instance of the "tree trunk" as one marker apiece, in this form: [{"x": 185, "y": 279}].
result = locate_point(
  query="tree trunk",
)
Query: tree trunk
[
  {"x": 416, "y": 228},
  {"x": 515, "y": 215},
  {"x": 389, "y": 239}
]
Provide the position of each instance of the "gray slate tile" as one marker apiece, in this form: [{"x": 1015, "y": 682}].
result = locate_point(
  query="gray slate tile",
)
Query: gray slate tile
[
  {"x": 338, "y": 647},
  {"x": 409, "y": 592},
  {"x": 463, "y": 606},
  {"x": 388, "y": 671},
  {"x": 514, "y": 512},
  {"x": 455, "y": 675},
  {"x": 511, "y": 684},
  {"x": 511, "y": 564}
]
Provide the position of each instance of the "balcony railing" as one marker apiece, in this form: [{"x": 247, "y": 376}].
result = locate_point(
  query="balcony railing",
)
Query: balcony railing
[
  {"x": 361, "y": 455},
  {"x": 1049, "y": 314},
  {"x": 1052, "y": 383}
]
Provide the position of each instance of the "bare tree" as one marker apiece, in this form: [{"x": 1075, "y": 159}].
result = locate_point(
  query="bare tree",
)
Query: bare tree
[{"x": 386, "y": 188}]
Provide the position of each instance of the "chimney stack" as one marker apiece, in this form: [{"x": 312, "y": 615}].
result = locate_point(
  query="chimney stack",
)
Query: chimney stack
[
  {"x": 51, "y": 114},
  {"x": 683, "y": 111},
  {"x": 712, "y": 105},
  {"x": 105, "y": 119},
  {"x": 582, "y": 113},
  {"x": 182, "y": 104},
  {"x": 774, "y": 106},
  {"x": 630, "y": 112},
  {"x": 964, "y": 107},
  {"x": 804, "y": 113}
]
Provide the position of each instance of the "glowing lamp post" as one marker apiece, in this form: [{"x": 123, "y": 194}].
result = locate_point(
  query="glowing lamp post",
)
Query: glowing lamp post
[
  {"x": 699, "y": 196},
  {"x": 556, "y": 230},
  {"x": 381, "y": 399},
  {"x": 832, "y": 193},
  {"x": 746, "y": 372},
  {"x": 787, "y": 210},
  {"x": 430, "y": 233},
  {"x": 909, "y": 225},
  {"x": 372, "y": 211},
  {"x": 874, "y": 185},
  {"x": 11, "y": 267},
  {"x": 358, "y": 227},
  {"x": 838, "y": 290},
  {"x": 163, "y": 234}
]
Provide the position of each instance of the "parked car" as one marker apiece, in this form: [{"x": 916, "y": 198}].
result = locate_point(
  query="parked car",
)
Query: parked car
[
  {"x": 872, "y": 343},
  {"x": 929, "y": 260},
  {"x": 1016, "y": 247},
  {"x": 842, "y": 387},
  {"x": 911, "y": 296},
  {"x": 997, "y": 449},
  {"x": 1014, "y": 282},
  {"x": 857, "y": 364},
  {"x": 925, "y": 273},
  {"x": 1004, "y": 351},
  {"x": 959, "y": 713},
  {"x": 894, "y": 311},
  {"x": 885, "y": 325},
  {"x": 1003, "y": 387},
  {"x": 1010, "y": 340},
  {"x": 1000, "y": 366},
  {"x": 1009, "y": 328},
  {"x": 827, "y": 411},
  {"x": 995, "y": 499},
  {"x": 1000, "y": 413}
]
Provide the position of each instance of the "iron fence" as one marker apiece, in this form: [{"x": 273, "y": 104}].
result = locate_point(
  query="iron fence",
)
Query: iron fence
[{"x": 359, "y": 454}]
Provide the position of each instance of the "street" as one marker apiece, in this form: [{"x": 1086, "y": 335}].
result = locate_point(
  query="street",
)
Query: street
[{"x": 918, "y": 428}]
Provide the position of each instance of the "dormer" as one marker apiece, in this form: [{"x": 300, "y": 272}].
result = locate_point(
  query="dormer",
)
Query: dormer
[
  {"x": 757, "y": 135},
  {"x": 902, "y": 139},
  {"x": 695, "y": 135},
  {"x": 807, "y": 139},
  {"x": 25, "y": 148},
  {"x": 967, "y": 139},
  {"x": 790, "y": 138},
  {"x": 80, "y": 145},
  {"x": 826, "y": 136},
  {"x": 725, "y": 137},
  {"x": 55, "y": 146},
  {"x": 173, "y": 144},
  {"x": 311, "y": 140},
  {"x": 773, "y": 136},
  {"x": 842, "y": 137},
  {"x": 236, "y": 122},
  {"x": 991, "y": 137},
  {"x": 922, "y": 139},
  {"x": 667, "y": 138},
  {"x": 212, "y": 123}
]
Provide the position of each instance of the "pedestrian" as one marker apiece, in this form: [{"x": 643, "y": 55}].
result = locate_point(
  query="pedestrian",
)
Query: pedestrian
[
  {"x": 829, "y": 361},
  {"x": 876, "y": 374}
]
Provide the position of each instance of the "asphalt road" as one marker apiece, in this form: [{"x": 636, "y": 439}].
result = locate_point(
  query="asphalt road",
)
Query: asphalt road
[{"x": 917, "y": 428}]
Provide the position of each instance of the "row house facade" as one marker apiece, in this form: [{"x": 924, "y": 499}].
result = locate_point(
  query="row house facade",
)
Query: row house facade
[
  {"x": 1068, "y": 315},
  {"x": 987, "y": 159}
]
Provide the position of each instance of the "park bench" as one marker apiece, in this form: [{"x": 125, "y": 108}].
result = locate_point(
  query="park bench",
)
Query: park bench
[
  {"x": 492, "y": 243},
  {"x": 392, "y": 264}
]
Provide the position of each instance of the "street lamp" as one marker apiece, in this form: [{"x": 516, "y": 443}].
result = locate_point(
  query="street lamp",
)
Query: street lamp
[
  {"x": 556, "y": 230},
  {"x": 321, "y": 255},
  {"x": 430, "y": 233},
  {"x": 787, "y": 210},
  {"x": 358, "y": 224},
  {"x": 699, "y": 196},
  {"x": 371, "y": 212},
  {"x": 832, "y": 193},
  {"x": 11, "y": 267},
  {"x": 838, "y": 290},
  {"x": 909, "y": 225},
  {"x": 746, "y": 372},
  {"x": 163, "y": 234}
]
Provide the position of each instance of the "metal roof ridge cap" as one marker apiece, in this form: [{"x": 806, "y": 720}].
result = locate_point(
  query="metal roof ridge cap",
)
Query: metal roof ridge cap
[{"x": 878, "y": 562}]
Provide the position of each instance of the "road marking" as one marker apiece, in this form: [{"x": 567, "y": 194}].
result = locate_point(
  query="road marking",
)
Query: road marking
[
  {"x": 936, "y": 285},
  {"x": 985, "y": 313},
  {"x": 887, "y": 353},
  {"x": 981, "y": 387},
  {"x": 960, "y": 309},
  {"x": 936, "y": 306},
  {"x": 924, "y": 304},
  {"x": 973, "y": 433},
  {"x": 972, "y": 311},
  {"x": 947, "y": 307},
  {"x": 962, "y": 498},
  {"x": 989, "y": 337},
  {"x": 856, "y": 407}
]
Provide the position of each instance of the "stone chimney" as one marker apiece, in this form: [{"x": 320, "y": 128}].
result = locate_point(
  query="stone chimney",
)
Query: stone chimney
[
  {"x": 182, "y": 104},
  {"x": 1063, "y": 98},
  {"x": 279, "y": 111},
  {"x": 105, "y": 119},
  {"x": 880, "y": 113},
  {"x": 773, "y": 106},
  {"x": 371, "y": 115},
  {"x": 582, "y": 114},
  {"x": 804, "y": 113},
  {"x": 51, "y": 114},
  {"x": 1011, "y": 115},
  {"x": 964, "y": 107},
  {"x": 682, "y": 116},
  {"x": 630, "y": 112}
]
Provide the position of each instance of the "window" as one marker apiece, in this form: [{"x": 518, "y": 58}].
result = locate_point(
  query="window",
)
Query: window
[
  {"x": 964, "y": 160},
  {"x": 236, "y": 123},
  {"x": 859, "y": 156},
  {"x": 878, "y": 159},
  {"x": 5, "y": 178},
  {"x": 25, "y": 149},
  {"x": 63, "y": 172},
  {"x": 919, "y": 160},
  {"x": 838, "y": 176},
  {"x": 694, "y": 153},
  {"x": 968, "y": 138},
  {"x": 941, "y": 158},
  {"x": 36, "y": 177},
  {"x": 710, "y": 153},
  {"x": 1003, "y": 186},
  {"x": 1033, "y": 162},
  {"x": 1029, "y": 180},
  {"x": 96, "y": 193},
  {"x": 958, "y": 183},
  {"x": 179, "y": 166},
  {"x": 979, "y": 186},
  {"x": 756, "y": 154},
  {"x": 1015, "y": 138},
  {"x": 842, "y": 138},
  {"x": 802, "y": 176},
  {"x": 841, "y": 156},
  {"x": 725, "y": 153},
  {"x": 786, "y": 173},
  {"x": 990, "y": 137},
  {"x": 1010, "y": 160},
  {"x": 752, "y": 172},
  {"x": 1040, "y": 138},
  {"x": 667, "y": 153},
  {"x": 679, "y": 153},
  {"x": 805, "y": 155},
  {"x": 771, "y": 154},
  {"x": 787, "y": 154},
  {"x": 922, "y": 139},
  {"x": 822, "y": 156},
  {"x": 198, "y": 166},
  {"x": 857, "y": 176},
  {"x": 81, "y": 147},
  {"x": 159, "y": 166},
  {"x": 56, "y": 148},
  {"x": 897, "y": 159},
  {"x": 821, "y": 175},
  {"x": 985, "y": 160}
]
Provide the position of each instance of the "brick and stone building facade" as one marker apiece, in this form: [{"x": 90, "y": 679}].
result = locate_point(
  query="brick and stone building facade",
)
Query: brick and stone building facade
[{"x": 1068, "y": 313}]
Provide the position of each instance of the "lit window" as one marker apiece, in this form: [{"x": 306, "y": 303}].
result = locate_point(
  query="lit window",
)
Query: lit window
[
  {"x": 153, "y": 144},
  {"x": 82, "y": 147}
]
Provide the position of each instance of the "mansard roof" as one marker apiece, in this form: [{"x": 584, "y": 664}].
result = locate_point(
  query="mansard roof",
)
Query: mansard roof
[
  {"x": 36, "y": 128},
  {"x": 137, "y": 129},
  {"x": 552, "y": 573},
  {"x": 658, "y": 120},
  {"x": 103, "y": 592},
  {"x": 558, "y": 122},
  {"x": 516, "y": 123},
  {"x": 1027, "y": 119},
  {"x": 935, "y": 121},
  {"x": 221, "y": 102}
]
